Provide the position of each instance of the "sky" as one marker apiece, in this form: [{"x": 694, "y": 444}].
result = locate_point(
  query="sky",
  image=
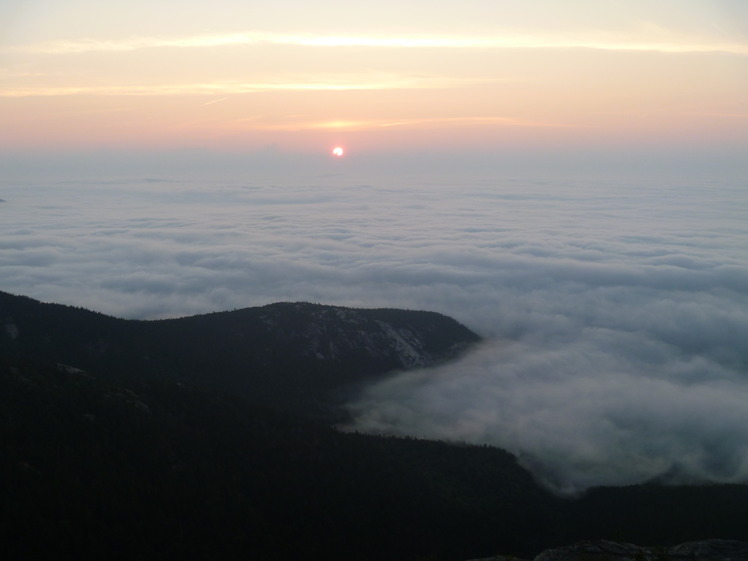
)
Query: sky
[{"x": 467, "y": 78}]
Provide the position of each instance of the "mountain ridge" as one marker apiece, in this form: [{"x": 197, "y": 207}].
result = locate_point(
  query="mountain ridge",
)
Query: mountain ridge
[{"x": 277, "y": 351}]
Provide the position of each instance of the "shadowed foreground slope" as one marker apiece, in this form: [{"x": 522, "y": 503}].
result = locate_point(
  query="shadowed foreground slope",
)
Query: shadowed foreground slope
[{"x": 93, "y": 469}]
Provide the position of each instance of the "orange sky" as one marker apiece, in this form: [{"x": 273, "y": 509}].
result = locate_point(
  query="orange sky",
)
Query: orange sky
[{"x": 520, "y": 74}]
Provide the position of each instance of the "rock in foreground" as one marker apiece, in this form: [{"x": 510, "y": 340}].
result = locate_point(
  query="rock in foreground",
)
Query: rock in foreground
[{"x": 604, "y": 550}]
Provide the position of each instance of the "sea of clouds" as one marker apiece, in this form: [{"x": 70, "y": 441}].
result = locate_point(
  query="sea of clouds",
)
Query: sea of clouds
[{"x": 615, "y": 313}]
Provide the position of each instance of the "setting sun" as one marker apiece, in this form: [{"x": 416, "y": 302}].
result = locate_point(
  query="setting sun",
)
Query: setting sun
[{"x": 338, "y": 151}]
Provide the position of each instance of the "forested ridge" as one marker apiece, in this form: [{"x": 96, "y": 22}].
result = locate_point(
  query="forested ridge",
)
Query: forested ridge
[{"x": 291, "y": 355}]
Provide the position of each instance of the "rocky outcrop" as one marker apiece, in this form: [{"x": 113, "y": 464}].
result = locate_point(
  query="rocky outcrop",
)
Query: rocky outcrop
[
  {"x": 604, "y": 550},
  {"x": 397, "y": 338}
]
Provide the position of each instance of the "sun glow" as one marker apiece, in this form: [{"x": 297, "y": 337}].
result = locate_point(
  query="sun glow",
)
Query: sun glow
[{"x": 338, "y": 151}]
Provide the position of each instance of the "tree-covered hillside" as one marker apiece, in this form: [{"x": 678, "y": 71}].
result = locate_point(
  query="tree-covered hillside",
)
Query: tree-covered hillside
[
  {"x": 288, "y": 354},
  {"x": 93, "y": 469}
]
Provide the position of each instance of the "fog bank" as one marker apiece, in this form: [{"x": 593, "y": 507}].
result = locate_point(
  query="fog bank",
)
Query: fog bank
[{"x": 614, "y": 311}]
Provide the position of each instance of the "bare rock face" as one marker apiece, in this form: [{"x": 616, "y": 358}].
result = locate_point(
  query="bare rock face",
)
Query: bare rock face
[
  {"x": 602, "y": 550},
  {"x": 596, "y": 550},
  {"x": 714, "y": 550},
  {"x": 396, "y": 338}
]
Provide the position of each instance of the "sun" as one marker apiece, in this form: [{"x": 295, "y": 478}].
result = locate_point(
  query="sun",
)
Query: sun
[{"x": 338, "y": 151}]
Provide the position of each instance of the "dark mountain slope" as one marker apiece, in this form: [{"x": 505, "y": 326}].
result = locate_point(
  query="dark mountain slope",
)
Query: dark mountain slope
[
  {"x": 93, "y": 469},
  {"x": 280, "y": 352}
]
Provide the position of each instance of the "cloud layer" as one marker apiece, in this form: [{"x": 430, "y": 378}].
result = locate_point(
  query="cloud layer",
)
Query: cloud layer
[{"x": 614, "y": 313}]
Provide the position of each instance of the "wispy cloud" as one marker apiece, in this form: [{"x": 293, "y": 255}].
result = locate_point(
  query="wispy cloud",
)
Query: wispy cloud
[
  {"x": 662, "y": 42},
  {"x": 370, "y": 81},
  {"x": 215, "y": 101},
  {"x": 343, "y": 125},
  {"x": 721, "y": 115}
]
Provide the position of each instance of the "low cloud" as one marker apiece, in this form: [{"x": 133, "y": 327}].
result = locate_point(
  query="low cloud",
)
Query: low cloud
[
  {"x": 596, "y": 407},
  {"x": 614, "y": 314}
]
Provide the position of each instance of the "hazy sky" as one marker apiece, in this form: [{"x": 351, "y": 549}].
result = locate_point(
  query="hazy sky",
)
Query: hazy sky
[{"x": 388, "y": 76}]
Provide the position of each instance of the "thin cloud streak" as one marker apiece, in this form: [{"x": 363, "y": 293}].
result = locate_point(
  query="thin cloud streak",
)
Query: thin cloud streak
[
  {"x": 342, "y": 125},
  {"x": 316, "y": 83},
  {"x": 215, "y": 101},
  {"x": 501, "y": 40}
]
